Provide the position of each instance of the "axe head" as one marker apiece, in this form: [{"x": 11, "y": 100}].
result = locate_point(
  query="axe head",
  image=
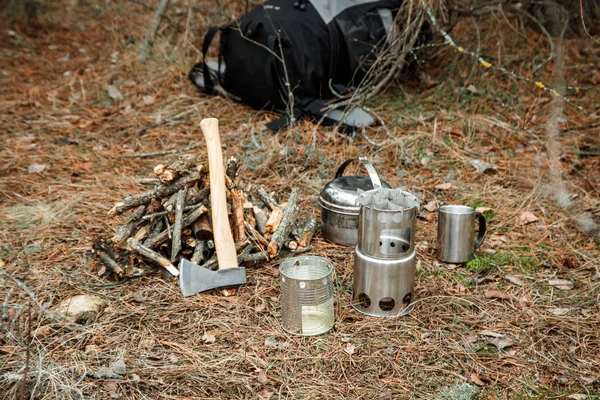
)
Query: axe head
[{"x": 195, "y": 279}]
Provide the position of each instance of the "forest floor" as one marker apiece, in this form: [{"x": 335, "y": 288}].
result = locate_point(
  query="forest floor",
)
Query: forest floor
[{"x": 501, "y": 327}]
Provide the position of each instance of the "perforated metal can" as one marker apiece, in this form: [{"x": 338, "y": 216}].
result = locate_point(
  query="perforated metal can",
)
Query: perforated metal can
[
  {"x": 384, "y": 258},
  {"x": 307, "y": 295}
]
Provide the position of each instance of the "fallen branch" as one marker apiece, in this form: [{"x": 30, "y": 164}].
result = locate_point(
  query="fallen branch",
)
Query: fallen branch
[
  {"x": 152, "y": 29},
  {"x": 187, "y": 220},
  {"x": 176, "y": 246},
  {"x": 146, "y": 197},
  {"x": 153, "y": 256},
  {"x": 126, "y": 230},
  {"x": 285, "y": 226}
]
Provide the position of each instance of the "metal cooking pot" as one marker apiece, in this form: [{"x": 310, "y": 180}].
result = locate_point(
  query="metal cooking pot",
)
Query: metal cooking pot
[{"x": 339, "y": 208}]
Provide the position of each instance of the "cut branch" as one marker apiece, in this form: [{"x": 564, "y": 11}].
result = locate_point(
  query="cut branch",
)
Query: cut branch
[
  {"x": 176, "y": 245},
  {"x": 159, "y": 192},
  {"x": 153, "y": 256},
  {"x": 282, "y": 233},
  {"x": 152, "y": 29}
]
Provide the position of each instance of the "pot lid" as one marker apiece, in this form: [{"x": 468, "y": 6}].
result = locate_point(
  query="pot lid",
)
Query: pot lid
[{"x": 341, "y": 193}]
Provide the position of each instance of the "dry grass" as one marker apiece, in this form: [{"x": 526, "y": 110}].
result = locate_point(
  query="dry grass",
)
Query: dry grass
[{"x": 49, "y": 220}]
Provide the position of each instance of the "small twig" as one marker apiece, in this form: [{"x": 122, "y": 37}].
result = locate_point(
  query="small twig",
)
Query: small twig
[
  {"x": 56, "y": 317},
  {"x": 187, "y": 220},
  {"x": 127, "y": 229},
  {"x": 110, "y": 263},
  {"x": 161, "y": 213},
  {"x": 285, "y": 226},
  {"x": 176, "y": 244},
  {"x": 199, "y": 250},
  {"x": 161, "y": 191},
  {"x": 152, "y": 29},
  {"x": 152, "y": 255}
]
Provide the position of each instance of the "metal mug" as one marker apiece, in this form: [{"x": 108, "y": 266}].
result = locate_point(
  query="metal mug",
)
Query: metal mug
[{"x": 456, "y": 233}]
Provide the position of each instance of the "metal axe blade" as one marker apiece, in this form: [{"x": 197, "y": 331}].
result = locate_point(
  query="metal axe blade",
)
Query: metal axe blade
[{"x": 195, "y": 279}]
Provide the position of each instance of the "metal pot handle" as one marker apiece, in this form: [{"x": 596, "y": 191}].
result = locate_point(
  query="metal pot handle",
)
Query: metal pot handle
[{"x": 368, "y": 166}]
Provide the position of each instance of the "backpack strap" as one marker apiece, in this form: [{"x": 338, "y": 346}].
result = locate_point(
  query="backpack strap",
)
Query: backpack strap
[{"x": 208, "y": 83}]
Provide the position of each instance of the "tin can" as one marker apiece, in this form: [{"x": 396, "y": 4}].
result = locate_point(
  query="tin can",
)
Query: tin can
[{"x": 307, "y": 295}]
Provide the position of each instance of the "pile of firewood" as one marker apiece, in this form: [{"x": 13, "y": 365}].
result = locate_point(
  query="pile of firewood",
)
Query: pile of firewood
[{"x": 173, "y": 220}]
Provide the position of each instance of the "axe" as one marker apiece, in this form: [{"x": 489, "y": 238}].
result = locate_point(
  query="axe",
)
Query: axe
[{"x": 192, "y": 277}]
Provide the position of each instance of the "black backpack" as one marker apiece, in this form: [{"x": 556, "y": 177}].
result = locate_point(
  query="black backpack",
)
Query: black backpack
[{"x": 313, "y": 48}]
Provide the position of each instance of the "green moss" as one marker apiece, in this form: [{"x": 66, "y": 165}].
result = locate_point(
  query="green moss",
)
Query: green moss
[{"x": 488, "y": 262}]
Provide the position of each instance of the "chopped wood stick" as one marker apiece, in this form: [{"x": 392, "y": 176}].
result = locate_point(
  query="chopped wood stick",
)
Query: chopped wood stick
[
  {"x": 149, "y": 181},
  {"x": 292, "y": 245},
  {"x": 158, "y": 170},
  {"x": 274, "y": 220},
  {"x": 202, "y": 229},
  {"x": 176, "y": 245},
  {"x": 285, "y": 227},
  {"x": 190, "y": 241},
  {"x": 306, "y": 232},
  {"x": 126, "y": 230},
  {"x": 110, "y": 263},
  {"x": 187, "y": 220},
  {"x": 186, "y": 232},
  {"x": 194, "y": 196},
  {"x": 237, "y": 211},
  {"x": 160, "y": 191},
  {"x": 152, "y": 255},
  {"x": 168, "y": 223},
  {"x": 256, "y": 235},
  {"x": 179, "y": 167},
  {"x": 160, "y": 214},
  {"x": 261, "y": 219},
  {"x": 231, "y": 170},
  {"x": 169, "y": 204},
  {"x": 141, "y": 233},
  {"x": 157, "y": 229},
  {"x": 201, "y": 252},
  {"x": 266, "y": 198},
  {"x": 197, "y": 196},
  {"x": 244, "y": 257}
]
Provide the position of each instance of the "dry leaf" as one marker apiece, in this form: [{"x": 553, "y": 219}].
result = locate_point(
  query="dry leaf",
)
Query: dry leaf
[
  {"x": 504, "y": 342},
  {"x": 578, "y": 396},
  {"x": 514, "y": 279},
  {"x": 271, "y": 341},
  {"x": 481, "y": 166},
  {"x": 148, "y": 100},
  {"x": 475, "y": 379},
  {"x": 431, "y": 206},
  {"x": 499, "y": 340},
  {"x": 527, "y": 217},
  {"x": 114, "y": 93},
  {"x": 208, "y": 338},
  {"x": 483, "y": 209},
  {"x": 350, "y": 348},
  {"x": 262, "y": 377},
  {"x": 102, "y": 270},
  {"x": 561, "y": 284},
  {"x": 497, "y": 294},
  {"x": 491, "y": 333},
  {"x": 559, "y": 311},
  {"x": 36, "y": 168},
  {"x": 264, "y": 395},
  {"x": 260, "y": 308},
  {"x": 444, "y": 186}
]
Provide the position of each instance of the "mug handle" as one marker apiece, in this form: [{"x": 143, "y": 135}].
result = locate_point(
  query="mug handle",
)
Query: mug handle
[
  {"x": 482, "y": 229},
  {"x": 366, "y": 164}
]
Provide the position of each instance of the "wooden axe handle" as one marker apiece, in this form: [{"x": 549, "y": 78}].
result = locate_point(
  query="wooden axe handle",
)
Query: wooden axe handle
[{"x": 224, "y": 245}]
